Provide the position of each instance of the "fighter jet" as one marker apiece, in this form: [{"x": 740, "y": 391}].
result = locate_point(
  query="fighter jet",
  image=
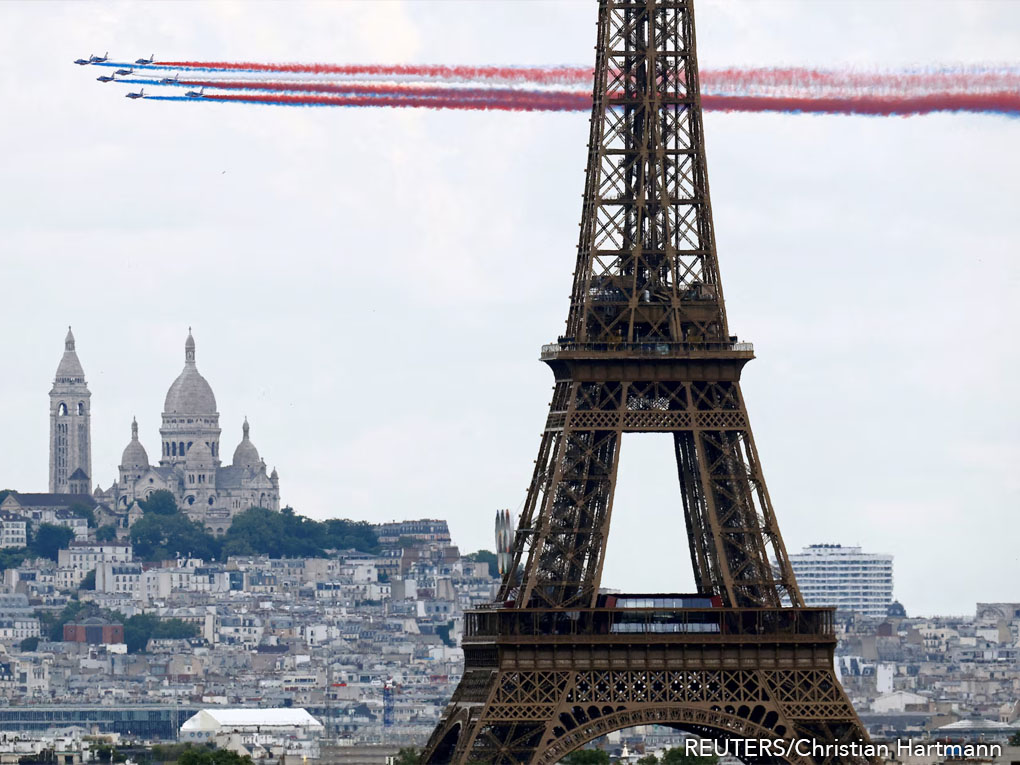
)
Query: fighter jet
[
  {"x": 83, "y": 61},
  {"x": 139, "y": 94},
  {"x": 196, "y": 93},
  {"x": 106, "y": 78},
  {"x": 144, "y": 61},
  {"x": 124, "y": 72},
  {"x": 170, "y": 80},
  {"x": 100, "y": 59}
]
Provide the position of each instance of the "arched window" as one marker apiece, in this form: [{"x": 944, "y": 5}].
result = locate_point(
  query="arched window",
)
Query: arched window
[
  {"x": 210, "y": 500},
  {"x": 173, "y": 448},
  {"x": 81, "y": 407},
  {"x": 189, "y": 444},
  {"x": 62, "y": 410},
  {"x": 191, "y": 500},
  {"x": 181, "y": 449}
]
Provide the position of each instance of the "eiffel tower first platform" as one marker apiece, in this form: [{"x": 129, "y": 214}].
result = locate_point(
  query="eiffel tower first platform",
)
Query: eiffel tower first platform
[{"x": 555, "y": 664}]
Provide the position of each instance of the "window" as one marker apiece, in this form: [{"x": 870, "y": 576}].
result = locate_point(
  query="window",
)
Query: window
[
  {"x": 81, "y": 407},
  {"x": 62, "y": 410}
]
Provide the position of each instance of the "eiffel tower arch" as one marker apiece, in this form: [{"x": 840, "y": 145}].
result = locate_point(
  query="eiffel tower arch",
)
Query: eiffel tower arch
[{"x": 553, "y": 663}]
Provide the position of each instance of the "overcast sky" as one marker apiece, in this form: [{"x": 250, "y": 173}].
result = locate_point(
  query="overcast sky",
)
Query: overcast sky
[{"x": 371, "y": 287}]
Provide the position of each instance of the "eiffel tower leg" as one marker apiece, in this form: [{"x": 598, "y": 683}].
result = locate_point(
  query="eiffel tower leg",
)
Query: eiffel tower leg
[
  {"x": 732, "y": 530},
  {"x": 543, "y": 701}
]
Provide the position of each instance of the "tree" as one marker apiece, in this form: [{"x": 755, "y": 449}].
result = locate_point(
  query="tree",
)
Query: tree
[
  {"x": 287, "y": 534},
  {"x": 107, "y": 533},
  {"x": 13, "y": 557},
  {"x": 212, "y": 757},
  {"x": 89, "y": 581},
  {"x": 50, "y": 539},
  {"x": 85, "y": 511},
  {"x": 29, "y": 644},
  {"x": 484, "y": 556},
  {"x": 159, "y": 536},
  {"x": 407, "y": 755},
  {"x": 160, "y": 502},
  {"x": 586, "y": 757},
  {"x": 1014, "y": 740},
  {"x": 141, "y": 628},
  {"x": 678, "y": 756},
  {"x": 648, "y": 759}
]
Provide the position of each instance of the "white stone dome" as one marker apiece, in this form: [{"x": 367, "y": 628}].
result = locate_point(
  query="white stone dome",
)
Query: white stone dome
[
  {"x": 134, "y": 456},
  {"x": 190, "y": 394},
  {"x": 246, "y": 455},
  {"x": 199, "y": 455}
]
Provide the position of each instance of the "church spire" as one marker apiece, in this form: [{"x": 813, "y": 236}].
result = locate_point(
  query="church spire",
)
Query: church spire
[
  {"x": 70, "y": 423},
  {"x": 189, "y": 349},
  {"x": 134, "y": 428}
]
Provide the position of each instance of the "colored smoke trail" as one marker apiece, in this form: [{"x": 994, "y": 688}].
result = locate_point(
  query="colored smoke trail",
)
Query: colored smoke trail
[
  {"x": 976, "y": 89},
  {"x": 525, "y": 102},
  {"x": 378, "y": 89},
  {"x": 1001, "y": 103},
  {"x": 1007, "y": 104},
  {"x": 544, "y": 75}
]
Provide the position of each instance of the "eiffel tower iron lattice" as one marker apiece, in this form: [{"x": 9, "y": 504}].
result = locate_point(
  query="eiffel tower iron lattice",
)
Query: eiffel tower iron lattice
[{"x": 554, "y": 664}]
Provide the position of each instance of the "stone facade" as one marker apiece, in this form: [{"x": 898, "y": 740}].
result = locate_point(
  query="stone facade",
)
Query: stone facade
[
  {"x": 189, "y": 466},
  {"x": 70, "y": 427}
]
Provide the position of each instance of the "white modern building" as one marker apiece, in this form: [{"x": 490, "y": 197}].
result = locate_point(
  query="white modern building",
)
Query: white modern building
[
  {"x": 259, "y": 733},
  {"x": 845, "y": 577}
]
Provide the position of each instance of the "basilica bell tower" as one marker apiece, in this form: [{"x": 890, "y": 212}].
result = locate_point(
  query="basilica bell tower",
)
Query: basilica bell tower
[{"x": 70, "y": 426}]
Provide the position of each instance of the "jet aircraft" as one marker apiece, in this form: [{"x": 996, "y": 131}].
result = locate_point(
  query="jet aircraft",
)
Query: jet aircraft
[
  {"x": 148, "y": 60},
  {"x": 139, "y": 94}
]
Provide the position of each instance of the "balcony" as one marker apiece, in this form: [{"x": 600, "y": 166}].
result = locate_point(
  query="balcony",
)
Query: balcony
[
  {"x": 649, "y": 349},
  {"x": 619, "y": 625}
]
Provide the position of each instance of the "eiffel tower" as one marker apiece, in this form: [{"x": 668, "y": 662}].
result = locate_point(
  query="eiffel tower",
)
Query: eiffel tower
[{"x": 555, "y": 664}]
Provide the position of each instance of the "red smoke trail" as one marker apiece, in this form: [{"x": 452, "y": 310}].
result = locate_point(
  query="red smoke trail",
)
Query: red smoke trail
[
  {"x": 544, "y": 75},
  {"x": 398, "y": 89},
  {"x": 518, "y": 103},
  {"x": 1006, "y": 103},
  {"x": 819, "y": 82},
  {"x": 731, "y": 80}
]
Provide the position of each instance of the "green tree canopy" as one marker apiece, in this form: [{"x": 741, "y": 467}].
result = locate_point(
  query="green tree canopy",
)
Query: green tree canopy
[
  {"x": 212, "y": 757},
  {"x": 12, "y": 557},
  {"x": 160, "y": 502},
  {"x": 107, "y": 533},
  {"x": 159, "y": 536},
  {"x": 29, "y": 644},
  {"x": 287, "y": 534},
  {"x": 141, "y": 628},
  {"x": 88, "y": 582},
  {"x": 586, "y": 757},
  {"x": 484, "y": 556},
  {"x": 678, "y": 756},
  {"x": 49, "y": 539},
  {"x": 83, "y": 510},
  {"x": 407, "y": 755}
]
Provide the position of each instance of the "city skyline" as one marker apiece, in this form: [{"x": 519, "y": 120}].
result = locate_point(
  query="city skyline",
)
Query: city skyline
[{"x": 318, "y": 281}]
